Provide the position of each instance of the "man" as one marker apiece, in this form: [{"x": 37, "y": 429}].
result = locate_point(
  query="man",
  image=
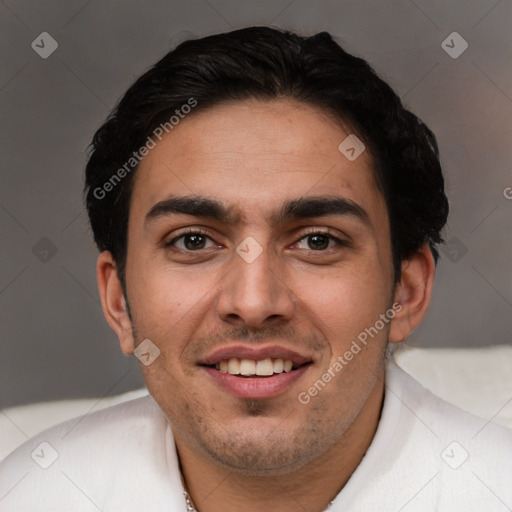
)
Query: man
[{"x": 267, "y": 214}]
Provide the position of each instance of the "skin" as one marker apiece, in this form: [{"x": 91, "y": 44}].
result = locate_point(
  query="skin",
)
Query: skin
[{"x": 271, "y": 453}]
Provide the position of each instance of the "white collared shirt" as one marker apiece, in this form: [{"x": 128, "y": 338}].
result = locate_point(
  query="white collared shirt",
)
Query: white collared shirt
[{"x": 427, "y": 456}]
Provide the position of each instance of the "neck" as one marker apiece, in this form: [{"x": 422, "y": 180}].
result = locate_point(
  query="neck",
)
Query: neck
[{"x": 311, "y": 487}]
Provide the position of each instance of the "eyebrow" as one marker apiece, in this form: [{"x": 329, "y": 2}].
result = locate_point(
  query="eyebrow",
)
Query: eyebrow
[{"x": 291, "y": 210}]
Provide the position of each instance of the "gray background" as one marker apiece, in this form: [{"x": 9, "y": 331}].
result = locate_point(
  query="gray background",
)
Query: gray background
[{"x": 54, "y": 340}]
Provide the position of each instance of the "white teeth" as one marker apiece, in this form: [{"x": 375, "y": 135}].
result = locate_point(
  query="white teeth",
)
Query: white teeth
[
  {"x": 278, "y": 366},
  {"x": 234, "y": 366},
  {"x": 247, "y": 367},
  {"x": 264, "y": 367}
]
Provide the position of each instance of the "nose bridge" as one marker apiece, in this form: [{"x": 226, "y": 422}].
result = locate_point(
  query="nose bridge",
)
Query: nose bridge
[
  {"x": 254, "y": 267},
  {"x": 253, "y": 288}
]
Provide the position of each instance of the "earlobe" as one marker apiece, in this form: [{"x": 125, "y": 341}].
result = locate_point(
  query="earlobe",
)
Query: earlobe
[
  {"x": 413, "y": 292},
  {"x": 113, "y": 301}
]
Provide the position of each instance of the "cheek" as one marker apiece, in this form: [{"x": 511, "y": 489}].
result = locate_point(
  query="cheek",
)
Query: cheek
[
  {"x": 165, "y": 296},
  {"x": 170, "y": 308},
  {"x": 345, "y": 301}
]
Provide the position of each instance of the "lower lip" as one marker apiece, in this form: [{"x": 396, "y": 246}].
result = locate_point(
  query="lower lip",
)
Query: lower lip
[{"x": 256, "y": 388}]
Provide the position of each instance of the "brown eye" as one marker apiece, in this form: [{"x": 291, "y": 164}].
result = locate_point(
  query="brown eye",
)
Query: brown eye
[
  {"x": 319, "y": 241},
  {"x": 191, "y": 241}
]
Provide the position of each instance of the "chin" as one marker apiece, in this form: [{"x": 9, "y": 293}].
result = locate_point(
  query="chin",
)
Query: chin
[
  {"x": 259, "y": 460},
  {"x": 270, "y": 451}
]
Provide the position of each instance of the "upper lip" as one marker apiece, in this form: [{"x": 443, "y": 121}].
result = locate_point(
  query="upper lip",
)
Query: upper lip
[{"x": 255, "y": 354}]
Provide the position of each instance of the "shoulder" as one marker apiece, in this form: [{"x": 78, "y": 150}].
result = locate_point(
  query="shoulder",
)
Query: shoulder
[
  {"x": 428, "y": 454},
  {"x": 441, "y": 415},
  {"x": 109, "y": 425},
  {"x": 88, "y": 456},
  {"x": 470, "y": 458}
]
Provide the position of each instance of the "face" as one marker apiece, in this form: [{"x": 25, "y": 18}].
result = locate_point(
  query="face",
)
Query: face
[{"x": 272, "y": 286}]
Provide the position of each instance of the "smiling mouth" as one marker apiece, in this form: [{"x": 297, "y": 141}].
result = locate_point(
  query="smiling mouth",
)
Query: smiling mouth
[{"x": 251, "y": 368}]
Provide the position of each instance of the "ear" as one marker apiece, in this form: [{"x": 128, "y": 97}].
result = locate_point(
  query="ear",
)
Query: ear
[
  {"x": 413, "y": 293},
  {"x": 113, "y": 301}
]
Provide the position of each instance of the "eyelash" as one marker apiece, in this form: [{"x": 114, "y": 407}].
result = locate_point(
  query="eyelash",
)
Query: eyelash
[{"x": 197, "y": 231}]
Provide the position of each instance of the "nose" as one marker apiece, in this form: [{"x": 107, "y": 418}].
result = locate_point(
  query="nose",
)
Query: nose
[{"x": 255, "y": 292}]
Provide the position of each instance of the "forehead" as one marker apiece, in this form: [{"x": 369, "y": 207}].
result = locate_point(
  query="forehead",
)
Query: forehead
[{"x": 251, "y": 155}]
